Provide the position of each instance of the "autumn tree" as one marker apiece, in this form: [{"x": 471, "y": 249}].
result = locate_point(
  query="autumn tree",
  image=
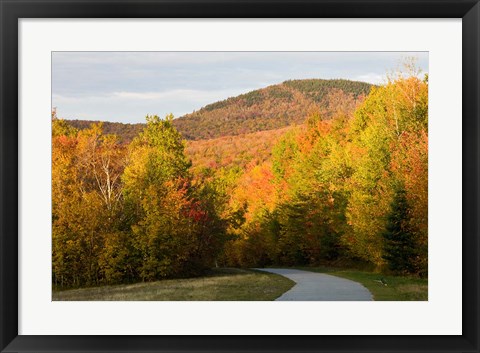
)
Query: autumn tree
[
  {"x": 388, "y": 115},
  {"x": 171, "y": 228},
  {"x": 86, "y": 201}
]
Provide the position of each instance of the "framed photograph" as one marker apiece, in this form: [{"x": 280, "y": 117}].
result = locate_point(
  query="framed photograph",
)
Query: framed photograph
[{"x": 239, "y": 176}]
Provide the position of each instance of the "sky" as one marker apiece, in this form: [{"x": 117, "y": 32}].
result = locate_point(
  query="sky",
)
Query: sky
[{"x": 127, "y": 86}]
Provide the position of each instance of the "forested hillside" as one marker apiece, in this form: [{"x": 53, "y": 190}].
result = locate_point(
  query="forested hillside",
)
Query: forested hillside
[
  {"x": 269, "y": 108},
  {"x": 351, "y": 188},
  {"x": 125, "y": 132},
  {"x": 348, "y": 183},
  {"x": 234, "y": 151}
]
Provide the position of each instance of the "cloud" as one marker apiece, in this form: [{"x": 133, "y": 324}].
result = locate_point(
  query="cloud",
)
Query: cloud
[
  {"x": 178, "y": 95},
  {"x": 118, "y": 86},
  {"x": 130, "y": 106},
  {"x": 371, "y": 77}
]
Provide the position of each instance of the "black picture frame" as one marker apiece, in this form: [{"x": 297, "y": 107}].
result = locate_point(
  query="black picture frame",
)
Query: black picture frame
[{"x": 12, "y": 10}]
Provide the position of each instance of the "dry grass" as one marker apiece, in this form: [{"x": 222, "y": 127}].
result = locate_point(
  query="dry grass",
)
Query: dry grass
[{"x": 219, "y": 285}]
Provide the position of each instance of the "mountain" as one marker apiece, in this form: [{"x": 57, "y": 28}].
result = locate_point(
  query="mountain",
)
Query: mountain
[{"x": 269, "y": 108}]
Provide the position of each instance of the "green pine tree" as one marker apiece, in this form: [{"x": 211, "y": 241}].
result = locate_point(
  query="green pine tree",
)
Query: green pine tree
[{"x": 399, "y": 242}]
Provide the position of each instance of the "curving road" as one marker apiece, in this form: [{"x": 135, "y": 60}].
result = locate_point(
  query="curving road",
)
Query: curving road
[{"x": 312, "y": 286}]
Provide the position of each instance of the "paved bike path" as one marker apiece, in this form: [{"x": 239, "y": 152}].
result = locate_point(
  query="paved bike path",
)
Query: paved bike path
[{"x": 312, "y": 286}]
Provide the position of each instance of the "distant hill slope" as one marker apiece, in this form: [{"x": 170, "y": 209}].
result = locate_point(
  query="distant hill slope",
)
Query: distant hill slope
[
  {"x": 125, "y": 132},
  {"x": 241, "y": 150},
  {"x": 269, "y": 108}
]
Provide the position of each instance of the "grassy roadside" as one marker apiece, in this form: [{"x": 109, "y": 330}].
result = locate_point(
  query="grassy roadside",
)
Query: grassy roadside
[
  {"x": 219, "y": 284},
  {"x": 395, "y": 288}
]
